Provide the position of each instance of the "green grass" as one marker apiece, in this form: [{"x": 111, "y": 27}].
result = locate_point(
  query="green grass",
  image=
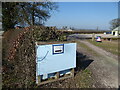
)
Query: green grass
[
  {"x": 86, "y": 48},
  {"x": 110, "y": 46}
]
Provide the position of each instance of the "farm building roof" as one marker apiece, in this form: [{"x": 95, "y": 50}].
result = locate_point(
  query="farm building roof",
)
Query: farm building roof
[{"x": 116, "y": 29}]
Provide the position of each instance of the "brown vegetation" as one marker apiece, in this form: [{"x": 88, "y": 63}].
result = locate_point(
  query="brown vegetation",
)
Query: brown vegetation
[{"x": 19, "y": 54}]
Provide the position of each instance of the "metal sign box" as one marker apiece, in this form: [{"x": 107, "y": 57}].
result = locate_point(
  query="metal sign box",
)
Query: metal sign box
[{"x": 55, "y": 57}]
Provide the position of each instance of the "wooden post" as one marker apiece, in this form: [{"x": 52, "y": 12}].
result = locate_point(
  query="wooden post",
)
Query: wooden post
[
  {"x": 72, "y": 71},
  {"x": 39, "y": 79},
  {"x": 57, "y": 75},
  {"x": 93, "y": 36},
  {"x": 110, "y": 39}
]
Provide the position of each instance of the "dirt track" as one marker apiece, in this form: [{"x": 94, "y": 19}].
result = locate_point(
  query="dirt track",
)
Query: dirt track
[{"x": 104, "y": 67}]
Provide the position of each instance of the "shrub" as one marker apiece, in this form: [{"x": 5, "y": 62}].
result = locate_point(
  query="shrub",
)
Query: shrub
[
  {"x": 19, "y": 54},
  {"x": 47, "y": 34}
]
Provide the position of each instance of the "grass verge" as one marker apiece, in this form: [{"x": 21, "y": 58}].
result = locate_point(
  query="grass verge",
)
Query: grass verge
[
  {"x": 89, "y": 50},
  {"x": 109, "y": 46}
]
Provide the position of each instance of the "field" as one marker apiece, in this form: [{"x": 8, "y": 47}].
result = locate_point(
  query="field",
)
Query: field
[{"x": 110, "y": 46}]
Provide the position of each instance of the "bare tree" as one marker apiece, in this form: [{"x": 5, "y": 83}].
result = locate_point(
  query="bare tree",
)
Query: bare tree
[
  {"x": 114, "y": 23},
  {"x": 26, "y": 13}
]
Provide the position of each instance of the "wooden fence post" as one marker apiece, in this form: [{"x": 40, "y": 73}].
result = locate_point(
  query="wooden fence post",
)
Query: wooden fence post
[
  {"x": 39, "y": 79},
  {"x": 72, "y": 71},
  {"x": 57, "y": 75},
  {"x": 93, "y": 36}
]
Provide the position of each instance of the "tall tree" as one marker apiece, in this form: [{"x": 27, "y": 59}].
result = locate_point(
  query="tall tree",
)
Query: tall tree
[
  {"x": 8, "y": 15},
  {"x": 114, "y": 23},
  {"x": 27, "y": 13},
  {"x": 36, "y": 12}
]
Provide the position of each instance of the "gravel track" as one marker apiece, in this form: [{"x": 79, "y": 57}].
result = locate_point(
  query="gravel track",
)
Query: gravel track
[{"x": 104, "y": 66}]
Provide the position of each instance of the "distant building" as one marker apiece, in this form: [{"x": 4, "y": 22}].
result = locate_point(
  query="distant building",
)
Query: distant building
[
  {"x": 69, "y": 30},
  {"x": 116, "y": 31},
  {"x": 107, "y": 32}
]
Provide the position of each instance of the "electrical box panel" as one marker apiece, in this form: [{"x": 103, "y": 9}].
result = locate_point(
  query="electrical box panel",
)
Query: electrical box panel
[{"x": 54, "y": 58}]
